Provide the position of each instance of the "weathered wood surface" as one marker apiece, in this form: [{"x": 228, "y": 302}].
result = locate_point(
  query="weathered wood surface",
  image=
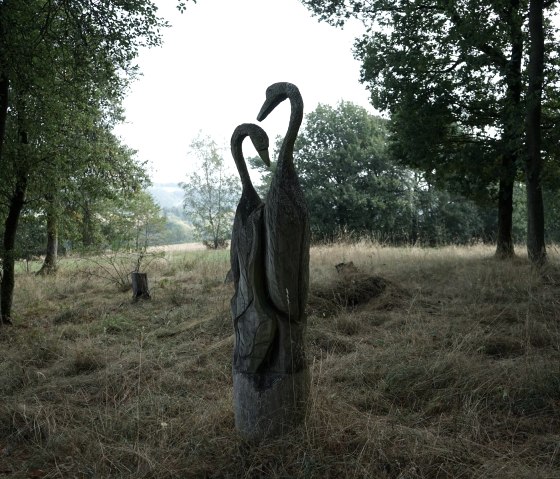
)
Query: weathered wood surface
[
  {"x": 270, "y": 265},
  {"x": 286, "y": 215},
  {"x": 253, "y": 323}
]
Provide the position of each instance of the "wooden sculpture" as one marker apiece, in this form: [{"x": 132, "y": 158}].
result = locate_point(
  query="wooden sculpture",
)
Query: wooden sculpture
[{"x": 271, "y": 246}]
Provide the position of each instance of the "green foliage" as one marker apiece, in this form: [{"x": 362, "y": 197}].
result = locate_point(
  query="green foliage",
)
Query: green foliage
[
  {"x": 69, "y": 102},
  {"x": 176, "y": 230},
  {"x": 132, "y": 221},
  {"x": 348, "y": 180},
  {"x": 210, "y": 194},
  {"x": 64, "y": 69},
  {"x": 353, "y": 186},
  {"x": 442, "y": 71},
  {"x": 453, "y": 77},
  {"x": 31, "y": 236},
  {"x": 105, "y": 201}
]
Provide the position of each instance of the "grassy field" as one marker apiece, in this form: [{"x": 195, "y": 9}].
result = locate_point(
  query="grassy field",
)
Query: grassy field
[{"x": 426, "y": 363}]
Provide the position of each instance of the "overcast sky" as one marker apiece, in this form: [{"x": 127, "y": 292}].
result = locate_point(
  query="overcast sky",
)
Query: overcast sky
[{"x": 213, "y": 69}]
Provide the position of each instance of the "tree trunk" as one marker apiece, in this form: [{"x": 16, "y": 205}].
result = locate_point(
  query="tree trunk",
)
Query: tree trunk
[
  {"x": 8, "y": 255},
  {"x": 504, "y": 239},
  {"x": 50, "y": 264},
  {"x": 413, "y": 238},
  {"x": 16, "y": 203},
  {"x": 535, "y": 210},
  {"x": 4, "y": 89},
  {"x": 87, "y": 226},
  {"x": 512, "y": 125},
  {"x": 4, "y": 79}
]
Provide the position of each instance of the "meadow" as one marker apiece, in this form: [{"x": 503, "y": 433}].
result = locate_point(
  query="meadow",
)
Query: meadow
[{"x": 425, "y": 363}]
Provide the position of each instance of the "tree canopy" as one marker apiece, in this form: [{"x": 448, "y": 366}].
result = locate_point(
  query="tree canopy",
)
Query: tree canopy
[
  {"x": 354, "y": 187},
  {"x": 64, "y": 68},
  {"x": 345, "y": 172},
  {"x": 451, "y": 75}
]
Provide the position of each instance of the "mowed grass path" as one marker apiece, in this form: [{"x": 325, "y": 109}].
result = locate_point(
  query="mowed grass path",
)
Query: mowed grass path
[{"x": 426, "y": 363}]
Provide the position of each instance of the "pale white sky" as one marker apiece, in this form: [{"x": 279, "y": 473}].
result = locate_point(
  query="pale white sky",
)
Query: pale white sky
[{"x": 213, "y": 69}]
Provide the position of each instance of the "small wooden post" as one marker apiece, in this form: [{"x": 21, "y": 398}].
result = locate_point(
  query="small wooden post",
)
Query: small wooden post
[{"x": 140, "y": 288}]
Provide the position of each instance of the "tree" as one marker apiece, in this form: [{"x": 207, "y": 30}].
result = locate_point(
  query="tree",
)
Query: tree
[
  {"x": 348, "y": 179},
  {"x": 106, "y": 188},
  {"x": 132, "y": 221},
  {"x": 58, "y": 59},
  {"x": 50, "y": 264},
  {"x": 175, "y": 230},
  {"x": 82, "y": 44},
  {"x": 211, "y": 194},
  {"x": 86, "y": 148},
  {"x": 450, "y": 73}
]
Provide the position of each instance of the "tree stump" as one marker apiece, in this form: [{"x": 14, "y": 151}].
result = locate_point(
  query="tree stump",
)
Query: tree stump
[{"x": 140, "y": 288}]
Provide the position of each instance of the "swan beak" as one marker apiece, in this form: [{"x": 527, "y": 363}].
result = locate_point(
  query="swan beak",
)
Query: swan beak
[
  {"x": 265, "y": 110},
  {"x": 271, "y": 102},
  {"x": 264, "y": 156}
]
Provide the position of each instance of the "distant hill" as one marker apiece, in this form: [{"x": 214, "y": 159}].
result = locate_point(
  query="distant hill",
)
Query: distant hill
[{"x": 167, "y": 195}]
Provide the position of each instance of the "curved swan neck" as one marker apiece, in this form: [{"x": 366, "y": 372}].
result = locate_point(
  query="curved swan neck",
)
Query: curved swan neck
[
  {"x": 237, "y": 153},
  {"x": 296, "y": 118},
  {"x": 260, "y": 142}
]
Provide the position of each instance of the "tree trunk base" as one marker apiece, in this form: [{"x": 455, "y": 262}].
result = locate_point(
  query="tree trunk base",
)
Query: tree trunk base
[
  {"x": 505, "y": 252},
  {"x": 46, "y": 269},
  {"x": 4, "y": 321},
  {"x": 537, "y": 255},
  {"x": 269, "y": 404}
]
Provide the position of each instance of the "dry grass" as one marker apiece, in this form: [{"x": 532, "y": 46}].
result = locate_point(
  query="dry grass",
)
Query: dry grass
[{"x": 449, "y": 368}]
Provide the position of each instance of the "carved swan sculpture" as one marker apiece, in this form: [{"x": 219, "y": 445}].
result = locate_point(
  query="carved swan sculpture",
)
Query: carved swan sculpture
[
  {"x": 254, "y": 322},
  {"x": 271, "y": 247},
  {"x": 286, "y": 215}
]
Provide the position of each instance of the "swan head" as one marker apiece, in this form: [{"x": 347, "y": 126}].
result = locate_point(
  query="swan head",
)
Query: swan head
[
  {"x": 260, "y": 141},
  {"x": 258, "y": 136},
  {"x": 276, "y": 94}
]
